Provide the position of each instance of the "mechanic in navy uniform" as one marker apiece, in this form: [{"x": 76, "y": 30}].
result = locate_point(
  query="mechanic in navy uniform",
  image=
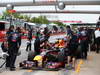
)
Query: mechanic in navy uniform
[
  {"x": 37, "y": 44},
  {"x": 18, "y": 31},
  {"x": 73, "y": 45},
  {"x": 29, "y": 40},
  {"x": 13, "y": 46},
  {"x": 10, "y": 30},
  {"x": 40, "y": 40},
  {"x": 84, "y": 43}
]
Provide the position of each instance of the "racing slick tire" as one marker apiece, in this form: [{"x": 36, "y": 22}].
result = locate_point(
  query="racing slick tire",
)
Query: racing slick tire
[{"x": 31, "y": 55}]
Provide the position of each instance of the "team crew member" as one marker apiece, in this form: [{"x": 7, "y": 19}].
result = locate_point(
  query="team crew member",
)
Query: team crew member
[
  {"x": 37, "y": 44},
  {"x": 84, "y": 43},
  {"x": 13, "y": 46},
  {"x": 73, "y": 45},
  {"x": 8, "y": 34},
  {"x": 29, "y": 39},
  {"x": 40, "y": 40},
  {"x": 18, "y": 31},
  {"x": 69, "y": 31},
  {"x": 97, "y": 39}
]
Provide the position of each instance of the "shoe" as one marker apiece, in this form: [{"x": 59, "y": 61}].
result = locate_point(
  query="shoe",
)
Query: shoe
[
  {"x": 97, "y": 52},
  {"x": 12, "y": 69},
  {"x": 7, "y": 67},
  {"x": 73, "y": 68},
  {"x": 68, "y": 66}
]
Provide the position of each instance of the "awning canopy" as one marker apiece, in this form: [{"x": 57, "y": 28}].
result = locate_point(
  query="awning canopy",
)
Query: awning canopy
[
  {"x": 6, "y": 22},
  {"x": 29, "y": 23}
]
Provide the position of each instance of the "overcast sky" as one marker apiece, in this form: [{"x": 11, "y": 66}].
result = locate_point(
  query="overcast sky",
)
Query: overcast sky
[{"x": 77, "y": 17}]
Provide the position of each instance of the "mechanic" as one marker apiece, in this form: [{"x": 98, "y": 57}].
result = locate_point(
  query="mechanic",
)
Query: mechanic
[
  {"x": 84, "y": 43},
  {"x": 97, "y": 39},
  {"x": 29, "y": 40},
  {"x": 37, "y": 44},
  {"x": 18, "y": 31},
  {"x": 41, "y": 41},
  {"x": 73, "y": 45},
  {"x": 13, "y": 46}
]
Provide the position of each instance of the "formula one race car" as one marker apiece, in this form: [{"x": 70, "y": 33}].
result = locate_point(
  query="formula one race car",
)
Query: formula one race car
[{"x": 48, "y": 59}]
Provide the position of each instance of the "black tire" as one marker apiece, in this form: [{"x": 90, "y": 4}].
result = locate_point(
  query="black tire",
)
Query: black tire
[
  {"x": 31, "y": 55},
  {"x": 61, "y": 56}
]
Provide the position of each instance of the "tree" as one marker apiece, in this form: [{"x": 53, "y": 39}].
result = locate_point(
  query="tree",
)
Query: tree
[
  {"x": 16, "y": 15},
  {"x": 27, "y": 18},
  {"x": 43, "y": 20},
  {"x": 39, "y": 20},
  {"x": 1, "y": 17},
  {"x": 32, "y": 19},
  {"x": 59, "y": 23},
  {"x": 6, "y": 13},
  {"x": 21, "y": 17}
]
